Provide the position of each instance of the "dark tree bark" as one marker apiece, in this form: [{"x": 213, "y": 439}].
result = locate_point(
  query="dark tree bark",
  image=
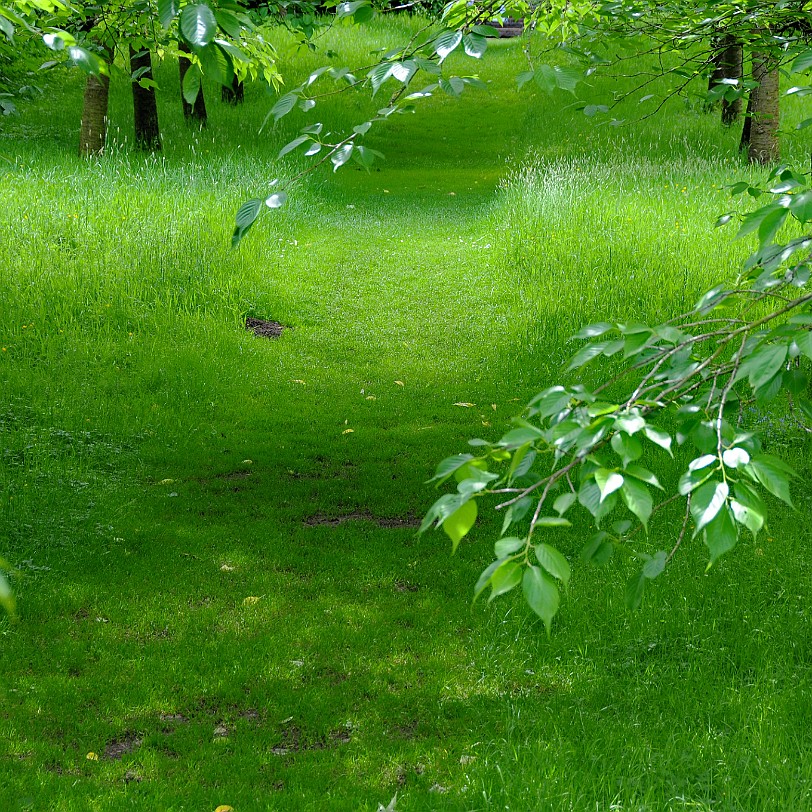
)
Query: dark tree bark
[
  {"x": 744, "y": 142},
  {"x": 727, "y": 64},
  {"x": 234, "y": 94},
  {"x": 145, "y": 104},
  {"x": 93, "y": 134},
  {"x": 764, "y": 121},
  {"x": 193, "y": 113}
]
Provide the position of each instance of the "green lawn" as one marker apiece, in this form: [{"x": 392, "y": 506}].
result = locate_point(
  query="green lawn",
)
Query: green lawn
[{"x": 221, "y": 594}]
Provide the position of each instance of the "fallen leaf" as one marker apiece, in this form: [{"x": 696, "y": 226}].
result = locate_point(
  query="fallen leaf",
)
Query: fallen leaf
[
  {"x": 167, "y": 481},
  {"x": 371, "y": 397},
  {"x": 400, "y": 383},
  {"x": 348, "y": 431},
  {"x": 247, "y": 462},
  {"x": 493, "y": 406},
  {"x": 466, "y": 405},
  {"x": 226, "y": 568},
  {"x": 296, "y": 380},
  {"x": 250, "y": 600},
  {"x": 92, "y": 756},
  {"x": 224, "y": 808}
]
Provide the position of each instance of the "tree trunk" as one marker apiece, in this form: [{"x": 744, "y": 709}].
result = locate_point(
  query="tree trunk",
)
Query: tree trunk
[
  {"x": 193, "y": 113},
  {"x": 727, "y": 62},
  {"x": 93, "y": 134},
  {"x": 744, "y": 142},
  {"x": 145, "y": 105},
  {"x": 234, "y": 94},
  {"x": 764, "y": 148}
]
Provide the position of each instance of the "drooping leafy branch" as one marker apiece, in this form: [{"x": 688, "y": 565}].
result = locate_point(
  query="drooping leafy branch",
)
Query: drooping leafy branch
[
  {"x": 688, "y": 384},
  {"x": 422, "y": 55}
]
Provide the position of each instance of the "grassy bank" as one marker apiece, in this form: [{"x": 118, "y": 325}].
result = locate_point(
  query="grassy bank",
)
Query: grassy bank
[{"x": 221, "y": 594}]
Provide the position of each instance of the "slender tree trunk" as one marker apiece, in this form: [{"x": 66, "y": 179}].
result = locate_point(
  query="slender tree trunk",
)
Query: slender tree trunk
[
  {"x": 93, "y": 134},
  {"x": 727, "y": 63},
  {"x": 234, "y": 94},
  {"x": 145, "y": 104},
  {"x": 744, "y": 142},
  {"x": 764, "y": 148},
  {"x": 193, "y": 113}
]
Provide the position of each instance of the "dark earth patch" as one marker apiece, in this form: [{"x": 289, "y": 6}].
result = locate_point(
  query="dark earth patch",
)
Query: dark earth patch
[
  {"x": 264, "y": 329},
  {"x": 387, "y": 522},
  {"x": 122, "y": 746}
]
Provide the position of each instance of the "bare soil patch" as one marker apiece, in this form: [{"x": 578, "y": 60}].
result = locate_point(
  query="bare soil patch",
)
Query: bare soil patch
[
  {"x": 387, "y": 522},
  {"x": 122, "y": 746},
  {"x": 264, "y": 329}
]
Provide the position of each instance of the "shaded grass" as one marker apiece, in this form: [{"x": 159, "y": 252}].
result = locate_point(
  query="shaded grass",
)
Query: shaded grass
[{"x": 161, "y": 465}]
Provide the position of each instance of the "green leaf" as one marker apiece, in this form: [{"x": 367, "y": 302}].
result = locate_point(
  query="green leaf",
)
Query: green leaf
[
  {"x": 541, "y": 594},
  {"x": 707, "y": 501},
  {"x": 553, "y": 562},
  {"x": 599, "y": 549},
  {"x": 735, "y": 457},
  {"x": 446, "y": 43},
  {"x": 350, "y": 8},
  {"x": 87, "y": 61},
  {"x": 167, "y": 11},
  {"x": 460, "y": 522},
  {"x": 524, "y": 77},
  {"x": 804, "y": 342},
  {"x": 545, "y": 78},
  {"x": 191, "y": 84},
  {"x": 637, "y": 499},
  {"x": 475, "y": 45},
  {"x": 608, "y": 481},
  {"x": 747, "y": 517},
  {"x": 276, "y": 200},
  {"x": 594, "y": 330},
  {"x": 289, "y": 147},
  {"x": 691, "y": 480},
  {"x": 763, "y": 364},
  {"x": 773, "y": 474},
  {"x": 449, "y": 465},
  {"x": 720, "y": 535},
  {"x": 507, "y": 546},
  {"x": 7, "y": 27},
  {"x": 771, "y": 225},
  {"x": 658, "y": 437},
  {"x": 589, "y": 495},
  {"x": 485, "y": 577},
  {"x": 284, "y": 105},
  {"x": 6, "y": 595},
  {"x": 628, "y": 448},
  {"x": 553, "y": 521},
  {"x": 505, "y": 578},
  {"x": 564, "y": 502},
  {"x": 634, "y": 590},
  {"x": 341, "y": 156},
  {"x": 452, "y": 87},
  {"x": 198, "y": 25},
  {"x": 801, "y": 206},
  {"x": 246, "y": 216},
  {"x": 567, "y": 78},
  {"x": 643, "y": 474},
  {"x": 404, "y": 71},
  {"x": 379, "y": 74},
  {"x": 655, "y": 565},
  {"x": 229, "y": 22},
  {"x": 486, "y": 30},
  {"x": 803, "y": 62}
]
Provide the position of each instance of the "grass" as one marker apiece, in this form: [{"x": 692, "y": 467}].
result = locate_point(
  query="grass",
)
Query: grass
[{"x": 162, "y": 468}]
